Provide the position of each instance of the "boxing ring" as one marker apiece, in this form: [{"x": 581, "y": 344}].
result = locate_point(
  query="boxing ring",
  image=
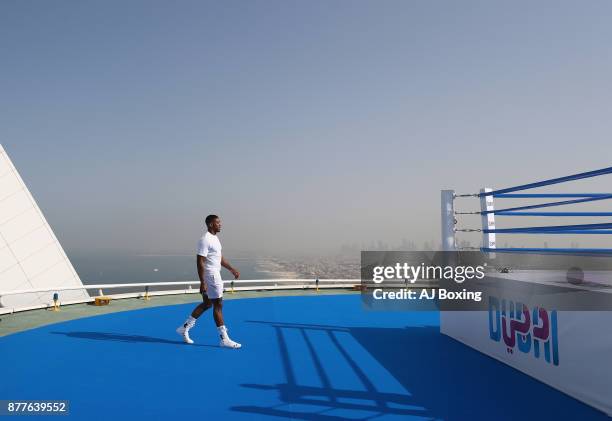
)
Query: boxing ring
[{"x": 565, "y": 347}]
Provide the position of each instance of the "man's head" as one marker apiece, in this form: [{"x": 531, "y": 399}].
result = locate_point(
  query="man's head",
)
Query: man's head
[{"x": 213, "y": 224}]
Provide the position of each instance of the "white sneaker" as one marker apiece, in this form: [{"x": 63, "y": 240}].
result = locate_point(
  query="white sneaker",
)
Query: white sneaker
[
  {"x": 184, "y": 332},
  {"x": 228, "y": 343}
]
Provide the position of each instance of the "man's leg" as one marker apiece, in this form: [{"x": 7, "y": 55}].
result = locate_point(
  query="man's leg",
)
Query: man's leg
[
  {"x": 218, "y": 316},
  {"x": 190, "y": 322},
  {"x": 218, "y": 311},
  {"x": 202, "y": 307}
]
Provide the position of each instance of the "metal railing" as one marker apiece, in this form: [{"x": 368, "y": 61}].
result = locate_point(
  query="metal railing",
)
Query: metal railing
[{"x": 144, "y": 290}]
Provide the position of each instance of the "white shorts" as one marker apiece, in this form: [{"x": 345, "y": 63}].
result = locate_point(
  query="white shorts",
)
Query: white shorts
[{"x": 214, "y": 284}]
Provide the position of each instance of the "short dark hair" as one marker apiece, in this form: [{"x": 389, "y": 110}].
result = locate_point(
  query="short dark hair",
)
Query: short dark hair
[{"x": 209, "y": 219}]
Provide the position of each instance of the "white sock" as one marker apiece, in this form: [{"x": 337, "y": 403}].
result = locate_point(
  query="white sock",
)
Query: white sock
[
  {"x": 189, "y": 322},
  {"x": 223, "y": 332}
]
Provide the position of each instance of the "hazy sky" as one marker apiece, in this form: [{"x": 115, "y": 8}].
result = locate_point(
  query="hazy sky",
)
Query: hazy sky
[{"x": 305, "y": 124}]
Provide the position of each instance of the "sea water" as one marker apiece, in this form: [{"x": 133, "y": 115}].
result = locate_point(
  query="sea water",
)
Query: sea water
[{"x": 134, "y": 268}]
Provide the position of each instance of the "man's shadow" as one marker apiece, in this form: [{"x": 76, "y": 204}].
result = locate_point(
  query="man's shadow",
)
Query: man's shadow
[{"x": 119, "y": 337}]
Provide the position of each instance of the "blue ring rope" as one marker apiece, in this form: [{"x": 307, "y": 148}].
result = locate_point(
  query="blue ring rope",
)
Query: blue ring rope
[
  {"x": 547, "y": 195},
  {"x": 558, "y": 180},
  {"x": 549, "y": 204},
  {"x": 576, "y": 251},
  {"x": 551, "y": 228},
  {"x": 506, "y": 213},
  {"x": 520, "y": 231},
  {"x": 604, "y": 228}
]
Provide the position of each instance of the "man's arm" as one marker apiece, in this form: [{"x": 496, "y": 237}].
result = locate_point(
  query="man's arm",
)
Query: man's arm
[
  {"x": 201, "y": 260},
  {"x": 229, "y": 267}
]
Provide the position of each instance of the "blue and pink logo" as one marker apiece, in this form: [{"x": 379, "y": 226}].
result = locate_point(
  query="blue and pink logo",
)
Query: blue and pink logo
[{"x": 523, "y": 329}]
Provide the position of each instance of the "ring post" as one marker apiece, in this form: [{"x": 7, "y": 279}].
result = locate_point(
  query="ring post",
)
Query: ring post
[
  {"x": 488, "y": 220},
  {"x": 317, "y": 284},
  {"x": 449, "y": 242},
  {"x": 146, "y": 294}
]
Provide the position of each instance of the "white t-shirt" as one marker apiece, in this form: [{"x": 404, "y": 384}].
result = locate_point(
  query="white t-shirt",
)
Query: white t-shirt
[{"x": 209, "y": 246}]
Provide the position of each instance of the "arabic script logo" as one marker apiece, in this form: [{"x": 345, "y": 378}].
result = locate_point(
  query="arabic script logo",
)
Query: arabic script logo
[{"x": 523, "y": 329}]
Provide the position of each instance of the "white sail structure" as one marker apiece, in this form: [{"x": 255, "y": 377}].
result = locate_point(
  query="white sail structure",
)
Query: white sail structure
[{"x": 31, "y": 257}]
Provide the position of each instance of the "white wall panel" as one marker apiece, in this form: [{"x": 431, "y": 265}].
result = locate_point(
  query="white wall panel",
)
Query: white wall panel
[
  {"x": 7, "y": 259},
  {"x": 42, "y": 259},
  {"x": 32, "y": 243},
  {"x": 30, "y": 255},
  {"x": 21, "y": 225},
  {"x": 14, "y": 278},
  {"x": 5, "y": 167},
  {"x": 9, "y": 185},
  {"x": 14, "y": 206}
]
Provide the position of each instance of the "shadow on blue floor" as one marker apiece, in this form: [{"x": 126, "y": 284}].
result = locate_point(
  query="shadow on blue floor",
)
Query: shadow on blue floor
[
  {"x": 444, "y": 378},
  {"x": 102, "y": 336}
]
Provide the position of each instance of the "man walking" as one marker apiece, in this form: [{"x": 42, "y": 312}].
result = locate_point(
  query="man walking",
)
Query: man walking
[{"x": 209, "y": 262}]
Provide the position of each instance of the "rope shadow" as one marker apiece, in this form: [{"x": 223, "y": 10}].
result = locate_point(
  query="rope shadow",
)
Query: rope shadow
[
  {"x": 444, "y": 379},
  {"x": 372, "y": 402}
]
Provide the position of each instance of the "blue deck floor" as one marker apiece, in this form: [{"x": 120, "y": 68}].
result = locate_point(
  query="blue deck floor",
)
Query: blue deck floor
[{"x": 305, "y": 358}]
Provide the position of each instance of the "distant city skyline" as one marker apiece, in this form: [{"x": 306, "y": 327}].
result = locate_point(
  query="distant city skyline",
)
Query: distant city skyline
[{"x": 309, "y": 127}]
